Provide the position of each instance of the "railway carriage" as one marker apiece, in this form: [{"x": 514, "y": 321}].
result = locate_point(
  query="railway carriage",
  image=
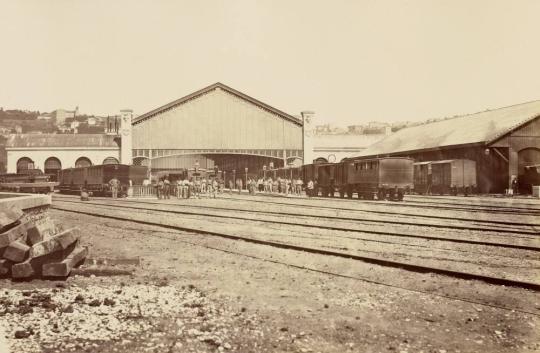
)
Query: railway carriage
[
  {"x": 380, "y": 178},
  {"x": 95, "y": 179},
  {"x": 383, "y": 178}
]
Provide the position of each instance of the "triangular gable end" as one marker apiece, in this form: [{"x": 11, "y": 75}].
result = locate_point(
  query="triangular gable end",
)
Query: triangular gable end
[{"x": 209, "y": 89}]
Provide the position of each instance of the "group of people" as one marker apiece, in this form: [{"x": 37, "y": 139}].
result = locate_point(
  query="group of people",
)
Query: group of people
[
  {"x": 275, "y": 186},
  {"x": 187, "y": 188}
]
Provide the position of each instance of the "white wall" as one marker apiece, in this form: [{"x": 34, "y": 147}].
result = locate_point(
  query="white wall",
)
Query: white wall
[{"x": 67, "y": 156}]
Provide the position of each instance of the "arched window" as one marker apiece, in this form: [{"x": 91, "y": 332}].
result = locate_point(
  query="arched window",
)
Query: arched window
[
  {"x": 111, "y": 160},
  {"x": 24, "y": 163},
  {"x": 82, "y": 162},
  {"x": 528, "y": 156},
  {"x": 52, "y": 166},
  {"x": 321, "y": 160}
]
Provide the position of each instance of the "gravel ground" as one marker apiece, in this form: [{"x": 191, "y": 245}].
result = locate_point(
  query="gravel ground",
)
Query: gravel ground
[{"x": 194, "y": 293}]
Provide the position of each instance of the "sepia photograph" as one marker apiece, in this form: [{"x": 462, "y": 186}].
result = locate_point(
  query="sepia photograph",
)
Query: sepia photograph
[{"x": 260, "y": 176}]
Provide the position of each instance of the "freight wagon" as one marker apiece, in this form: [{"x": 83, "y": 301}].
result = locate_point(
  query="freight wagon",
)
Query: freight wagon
[
  {"x": 30, "y": 181},
  {"x": 95, "y": 179},
  {"x": 445, "y": 177}
]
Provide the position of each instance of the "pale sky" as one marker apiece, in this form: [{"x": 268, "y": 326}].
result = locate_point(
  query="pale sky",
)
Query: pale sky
[{"x": 349, "y": 61}]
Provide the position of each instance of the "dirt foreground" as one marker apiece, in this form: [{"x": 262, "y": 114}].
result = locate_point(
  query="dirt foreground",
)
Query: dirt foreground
[{"x": 192, "y": 293}]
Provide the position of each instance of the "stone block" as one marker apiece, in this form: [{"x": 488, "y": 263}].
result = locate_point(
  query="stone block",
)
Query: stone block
[
  {"x": 5, "y": 267},
  {"x": 15, "y": 233},
  {"x": 62, "y": 269},
  {"x": 9, "y": 216},
  {"x": 56, "y": 243},
  {"x": 41, "y": 230},
  {"x": 23, "y": 269},
  {"x": 32, "y": 267},
  {"x": 16, "y": 251}
]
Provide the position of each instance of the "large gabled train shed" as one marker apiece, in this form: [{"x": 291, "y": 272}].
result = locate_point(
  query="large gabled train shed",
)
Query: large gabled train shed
[{"x": 501, "y": 141}]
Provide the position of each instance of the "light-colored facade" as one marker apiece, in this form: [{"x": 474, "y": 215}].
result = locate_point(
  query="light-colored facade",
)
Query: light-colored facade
[
  {"x": 58, "y": 149},
  {"x": 216, "y": 126}
]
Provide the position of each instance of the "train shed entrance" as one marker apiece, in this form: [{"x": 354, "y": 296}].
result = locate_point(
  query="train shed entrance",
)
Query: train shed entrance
[{"x": 216, "y": 127}]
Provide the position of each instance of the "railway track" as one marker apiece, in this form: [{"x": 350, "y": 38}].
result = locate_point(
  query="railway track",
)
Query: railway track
[
  {"x": 183, "y": 211},
  {"x": 496, "y": 223},
  {"x": 497, "y": 229},
  {"x": 366, "y": 259},
  {"x": 495, "y": 209}
]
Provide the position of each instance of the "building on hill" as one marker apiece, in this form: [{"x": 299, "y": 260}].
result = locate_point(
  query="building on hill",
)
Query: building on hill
[
  {"x": 501, "y": 141},
  {"x": 60, "y": 115}
]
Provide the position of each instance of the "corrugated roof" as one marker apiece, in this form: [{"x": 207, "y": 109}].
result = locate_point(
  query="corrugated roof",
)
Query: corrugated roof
[
  {"x": 211, "y": 88},
  {"x": 484, "y": 127},
  {"x": 60, "y": 140}
]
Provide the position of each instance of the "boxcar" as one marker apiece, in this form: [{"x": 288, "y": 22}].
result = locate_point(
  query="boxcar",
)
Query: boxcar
[
  {"x": 95, "y": 179},
  {"x": 445, "y": 177}
]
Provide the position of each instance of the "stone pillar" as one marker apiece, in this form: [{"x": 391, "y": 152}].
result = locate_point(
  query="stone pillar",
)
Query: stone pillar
[
  {"x": 308, "y": 132},
  {"x": 126, "y": 151}
]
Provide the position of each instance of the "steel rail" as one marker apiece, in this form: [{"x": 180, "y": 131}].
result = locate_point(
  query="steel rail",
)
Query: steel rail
[
  {"x": 392, "y": 234},
  {"x": 400, "y": 213}
]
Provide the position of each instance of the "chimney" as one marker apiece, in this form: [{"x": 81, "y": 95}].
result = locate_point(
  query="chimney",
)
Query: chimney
[{"x": 308, "y": 127}]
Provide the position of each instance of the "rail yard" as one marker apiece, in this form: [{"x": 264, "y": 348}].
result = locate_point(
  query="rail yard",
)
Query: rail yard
[{"x": 296, "y": 274}]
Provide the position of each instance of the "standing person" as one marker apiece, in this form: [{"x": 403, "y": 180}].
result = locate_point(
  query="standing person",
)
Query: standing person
[
  {"x": 239, "y": 184},
  {"x": 260, "y": 184},
  {"x": 299, "y": 184},
  {"x": 203, "y": 186},
  {"x": 254, "y": 186},
  {"x": 114, "y": 185},
  {"x": 166, "y": 188},
  {"x": 191, "y": 188},
  {"x": 160, "y": 189},
  {"x": 209, "y": 188},
  {"x": 515, "y": 185},
  {"x": 179, "y": 188},
  {"x": 310, "y": 187},
  {"x": 275, "y": 185},
  {"x": 215, "y": 186},
  {"x": 279, "y": 185},
  {"x": 230, "y": 186},
  {"x": 197, "y": 188}
]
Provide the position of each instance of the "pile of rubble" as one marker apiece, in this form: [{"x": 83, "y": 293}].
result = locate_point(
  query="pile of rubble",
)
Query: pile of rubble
[
  {"x": 123, "y": 318},
  {"x": 32, "y": 246}
]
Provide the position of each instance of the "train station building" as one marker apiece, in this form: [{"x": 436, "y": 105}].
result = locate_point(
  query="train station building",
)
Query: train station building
[
  {"x": 218, "y": 126},
  {"x": 502, "y": 142}
]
